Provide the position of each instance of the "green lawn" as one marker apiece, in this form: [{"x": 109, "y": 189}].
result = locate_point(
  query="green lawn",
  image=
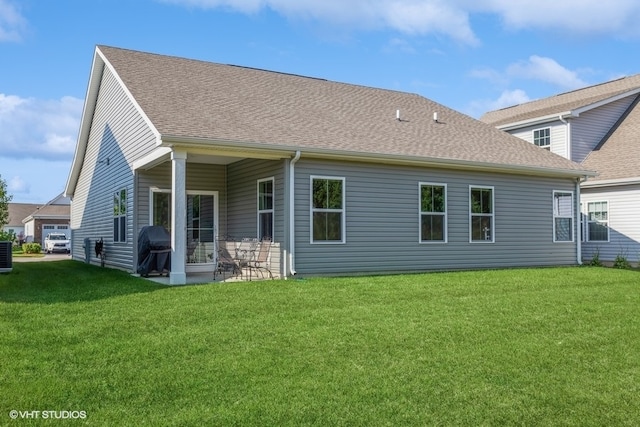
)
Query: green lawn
[{"x": 512, "y": 347}]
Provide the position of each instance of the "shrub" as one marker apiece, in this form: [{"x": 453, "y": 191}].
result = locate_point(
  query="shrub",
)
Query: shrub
[
  {"x": 7, "y": 236},
  {"x": 595, "y": 259},
  {"x": 621, "y": 262},
  {"x": 31, "y": 248}
]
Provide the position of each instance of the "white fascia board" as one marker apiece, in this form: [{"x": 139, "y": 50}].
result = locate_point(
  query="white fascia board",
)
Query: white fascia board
[
  {"x": 95, "y": 77},
  {"x": 95, "y": 80},
  {"x": 286, "y": 151},
  {"x": 152, "y": 159},
  {"x": 611, "y": 182},
  {"x": 581, "y": 110},
  {"x": 537, "y": 120}
]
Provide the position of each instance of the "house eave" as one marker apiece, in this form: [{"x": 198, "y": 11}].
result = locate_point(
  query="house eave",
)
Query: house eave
[
  {"x": 287, "y": 151},
  {"x": 537, "y": 120},
  {"x": 611, "y": 182}
]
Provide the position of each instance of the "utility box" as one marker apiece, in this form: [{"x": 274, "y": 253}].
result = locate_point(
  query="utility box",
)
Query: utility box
[{"x": 87, "y": 250}]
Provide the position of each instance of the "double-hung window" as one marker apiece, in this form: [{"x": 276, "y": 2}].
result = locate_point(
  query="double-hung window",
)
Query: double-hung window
[
  {"x": 120, "y": 216},
  {"x": 481, "y": 214},
  {"x": 265, "y": 208},
  {"x": 598, "y": 221},
  {"x": 562, "y": 216},
  {"x": 542, "y": 138},
  {"x": 327, "y": 210},
  {"x": 433, "y": 212}
]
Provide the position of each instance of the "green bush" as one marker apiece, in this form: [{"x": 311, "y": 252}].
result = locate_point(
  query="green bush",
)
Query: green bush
[
  {"x": 621, "y": 262},
  {"x": 595, "y": 260},
  {"x": 7, "y": 236},
  {"x": 31, "y": 248}
]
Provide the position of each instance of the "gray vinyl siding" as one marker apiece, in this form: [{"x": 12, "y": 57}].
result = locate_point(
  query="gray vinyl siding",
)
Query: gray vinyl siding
[
  {"x": 382, "y": 221},
  {"x": 624, "y": 223},
  {"x": 558, "y": 133},
  {"x": 243, "y": 195},
  {"x": 591, "y": 126},
  {"x": 120, "y": 134}
]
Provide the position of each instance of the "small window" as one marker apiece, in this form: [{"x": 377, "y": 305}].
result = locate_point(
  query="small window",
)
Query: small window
[
  {"x": 562, "y": 216},
  {"x": 598, "y": 222},
  {"x": 120, "y": 216},
  {"x": 327, "y": 210},
  {"x": 265, "y": 208},
  {"x": 481, "y": 214},
  {"x": 542, "y": 138},
  {"x": 433, "y": 212}
]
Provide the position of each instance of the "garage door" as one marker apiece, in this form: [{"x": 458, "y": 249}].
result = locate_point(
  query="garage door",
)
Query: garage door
[{"x": 51, "y": 228}]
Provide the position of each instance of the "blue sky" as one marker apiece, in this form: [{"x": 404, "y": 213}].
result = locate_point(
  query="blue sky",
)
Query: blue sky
[{"x": 470, "y": 55}]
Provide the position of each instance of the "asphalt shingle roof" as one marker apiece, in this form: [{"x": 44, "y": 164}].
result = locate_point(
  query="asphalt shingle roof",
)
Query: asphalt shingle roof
[
  {"x": 619, "y": 155},
  {"x": 19, "y": 211},
  {"x": 187, "y": 98},
  {"x": 562, "y": 102}
]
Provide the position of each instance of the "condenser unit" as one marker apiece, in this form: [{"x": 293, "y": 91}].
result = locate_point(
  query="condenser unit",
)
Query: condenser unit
[{"x": 5, "y": 257}]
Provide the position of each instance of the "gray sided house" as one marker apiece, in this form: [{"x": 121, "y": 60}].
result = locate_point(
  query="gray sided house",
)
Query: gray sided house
[
  {"x": 345, "y": 179},
  {"x": 599, "y": 127}
]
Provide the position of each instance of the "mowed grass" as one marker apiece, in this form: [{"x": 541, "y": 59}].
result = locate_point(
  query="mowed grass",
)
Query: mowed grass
[{"x": 557, "y": 346}]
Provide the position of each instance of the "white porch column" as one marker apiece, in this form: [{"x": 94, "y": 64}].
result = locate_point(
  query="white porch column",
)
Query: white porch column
[{"x": 178, "y": 274}]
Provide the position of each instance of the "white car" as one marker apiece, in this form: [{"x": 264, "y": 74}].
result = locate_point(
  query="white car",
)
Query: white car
[{"x": 57, "y": 242}]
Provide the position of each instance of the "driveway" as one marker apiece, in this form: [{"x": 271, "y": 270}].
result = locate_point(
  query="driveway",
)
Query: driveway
[{"x": 46, "y": 257}]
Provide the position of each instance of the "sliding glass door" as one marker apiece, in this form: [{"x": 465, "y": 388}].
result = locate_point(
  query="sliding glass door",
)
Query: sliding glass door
[{"x": 201, "y": 213}]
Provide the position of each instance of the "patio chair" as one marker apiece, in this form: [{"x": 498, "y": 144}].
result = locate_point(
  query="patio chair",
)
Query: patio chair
[
  {"x": 245, "y": 252},
  {"x": 261, "y": 259},
  {"x": 225, "y": 261}
]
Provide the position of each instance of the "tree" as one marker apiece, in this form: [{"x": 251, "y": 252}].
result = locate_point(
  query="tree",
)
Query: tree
[{"x": 5, "y": 198}]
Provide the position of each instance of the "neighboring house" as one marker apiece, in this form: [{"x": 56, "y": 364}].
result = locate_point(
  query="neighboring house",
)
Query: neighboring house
[
  {"x": 18, "y": 212},
  {"x": 52, "y": 216},
  {"x": 346, "y": 179},
  {"x": 598, "y": 126}
]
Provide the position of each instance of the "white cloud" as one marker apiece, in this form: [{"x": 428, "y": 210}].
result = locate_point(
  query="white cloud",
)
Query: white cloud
[
  {"x": 546, "y": 70},
  {"x": 507, "y": 98},
  {"x": 451, "y": 18},
  {"x": 32, "y": 128},
  {"x": 17, "y": 185},
  {"x": 12, "y": 24},
  {"x": 413, "y": 17},
  {"x": 583, "y": 17}
]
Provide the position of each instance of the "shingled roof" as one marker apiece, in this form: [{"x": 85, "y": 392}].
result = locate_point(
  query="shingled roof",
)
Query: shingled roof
[
  {"x": 212, "y": 103},
  {"x": 618, "y": 156},
  {"x": 564, "y": 102}
]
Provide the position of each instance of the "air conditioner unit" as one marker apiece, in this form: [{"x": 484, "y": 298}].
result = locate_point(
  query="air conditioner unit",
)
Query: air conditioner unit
[{"x": 5, "y": 257}]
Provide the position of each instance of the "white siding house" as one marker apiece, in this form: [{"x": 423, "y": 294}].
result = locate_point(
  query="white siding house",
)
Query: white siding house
[
  {"x": 601, "y": 126},
  {"x": 357, "y": 180}
]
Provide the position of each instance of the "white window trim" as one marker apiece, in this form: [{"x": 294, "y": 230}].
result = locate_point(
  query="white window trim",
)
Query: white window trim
[
  {"x": 546, "y": 147},
  {"x": 570, "y": 216},
  {"x": 342, "y": 211},
  {"x": 120, "y": 215},
  {"x": 606, "y": 223},
  {"x": 444, "y": 214},
  {"x": 261, "y": 211},
  {"x": 492, "y": 215}
]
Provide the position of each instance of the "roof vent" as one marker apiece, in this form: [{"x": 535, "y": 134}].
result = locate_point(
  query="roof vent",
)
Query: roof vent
[
  {"x": 435, "y": 117},
  {"x": 398, "y": 115}
]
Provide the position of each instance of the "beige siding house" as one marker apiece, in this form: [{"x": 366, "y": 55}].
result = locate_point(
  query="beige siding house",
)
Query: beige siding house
[
  {"x": 344, "y": 179},
  {"x": 598, "y": 126}
]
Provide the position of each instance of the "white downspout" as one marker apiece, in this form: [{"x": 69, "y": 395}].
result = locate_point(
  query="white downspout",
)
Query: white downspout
[
  {"x": 292, "y": 212},
  {"x": 566, "y": 122},
  {"x": 578, "y": 221}
]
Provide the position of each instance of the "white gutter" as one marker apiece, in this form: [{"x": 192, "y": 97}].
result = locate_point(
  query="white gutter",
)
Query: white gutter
[{"x": 292, "y": 211}]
